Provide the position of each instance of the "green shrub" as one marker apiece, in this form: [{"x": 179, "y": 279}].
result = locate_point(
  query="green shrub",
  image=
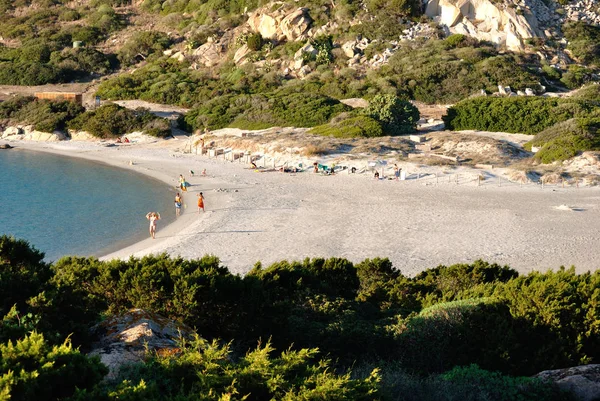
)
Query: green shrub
[
  {"x": 397, "y": 116},
  {"x": 584, "y": 41},
  {"x": 112, "y": 120},
  {"x": 32, "y": 369},
  {"x": 141, "y": 45},
  {"x": 458, "y": 333},
  {"x": 44, "y": 115},
  {"x": 351, "y": 127},
  {"x": 205, "y": 370},
  {"x": 284, "y": 107},
  {"x": 528, "y": 115},
  {"x": 567, "y": 139},
  {"x": 576, "y": 76},
  {"x": 254, "y": 41}
]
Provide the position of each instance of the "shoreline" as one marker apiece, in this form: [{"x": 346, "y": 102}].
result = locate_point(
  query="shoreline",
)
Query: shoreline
[{"x": 273, "y": 216}]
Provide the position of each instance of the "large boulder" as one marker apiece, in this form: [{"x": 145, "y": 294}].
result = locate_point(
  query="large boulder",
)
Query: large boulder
[
  {"x": 40, "y": 136},
  {"x": 241, "y": 55},
  {"x": 486, "y": 20},
  {"x": 12, "y": 133},
  {"x": 581, "y": 381},
  {"x": 280, "y": 23},
  {"x": 127, "y": 338}
]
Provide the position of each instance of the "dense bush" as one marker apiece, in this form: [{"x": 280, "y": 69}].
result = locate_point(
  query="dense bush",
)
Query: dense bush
[
  {"x": 112, "y": 120},
  {"x": 526, "y": 115},
  {"x": 350, "y": 127},
  {"x": 44, "y": 115},
  {"x": 443, "y": 317},
  {"x": 141, "y": 45},
  {"x": 285, "y": 107},
  {"x": 567, "y": 139},
  {"x": 397, "y": 116},
  {"x": 584, "y": 42},
  {"x": 32, "y": 369},
  {"x": 205, "y": 371}
]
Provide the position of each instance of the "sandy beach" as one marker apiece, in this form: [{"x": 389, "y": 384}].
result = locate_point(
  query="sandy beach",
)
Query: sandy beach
[{"x": 418, "y": 224}]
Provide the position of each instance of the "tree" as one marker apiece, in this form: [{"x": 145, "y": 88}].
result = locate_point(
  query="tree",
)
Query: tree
[{"x": 397, "y": 116}]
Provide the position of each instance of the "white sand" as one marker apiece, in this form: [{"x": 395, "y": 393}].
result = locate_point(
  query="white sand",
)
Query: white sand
[{"x": 274, "y": 216}]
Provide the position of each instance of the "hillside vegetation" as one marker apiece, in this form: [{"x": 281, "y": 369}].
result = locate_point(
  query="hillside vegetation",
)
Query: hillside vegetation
[{"x": 364, "y": 315}]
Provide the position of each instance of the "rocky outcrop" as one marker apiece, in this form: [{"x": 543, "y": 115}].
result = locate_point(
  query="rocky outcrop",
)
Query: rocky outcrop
[
  {"x": 82, "y": 136},
  {"x": 241, "y": 55},
  {"x": 486, "y": 20},
  {"x": 280, "y": 23},
  {"x": 127, "y": 338},
  {"x": 583, "y": 382},
  {"x": 213, "y": 51},
  {"x": 27, "y": 133}
]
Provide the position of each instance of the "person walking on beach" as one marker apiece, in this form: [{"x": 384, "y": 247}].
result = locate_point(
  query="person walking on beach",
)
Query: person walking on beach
[
  {"x": 396, "y": 171},
  {"x": 153, "y": 216},
  {"x": 182, "y": 183},
  {"x": 178, "y": 202},
  {"x": 200, "y": 202}
]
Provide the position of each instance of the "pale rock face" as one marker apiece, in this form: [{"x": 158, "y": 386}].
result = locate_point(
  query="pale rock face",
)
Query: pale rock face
[
  {"x": 349, "y": 49},
  {"x": 12, "y": 133},
  {"x": 241, "y": 55},
  {"x": 295, "y": 24},
  {"x": 82, "y": 136},
  {"x": 209, "y": 54},
  {"x": 485, "y": 20},
  {"x": 298, "y": 57},
  {"x": 280, "y": 24},
  {"x": 40, "y": 136},
  {"x": 125, "y": 339}
]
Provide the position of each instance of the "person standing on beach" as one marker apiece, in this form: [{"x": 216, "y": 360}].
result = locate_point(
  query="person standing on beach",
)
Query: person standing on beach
[
  {"x": 182, "y": 183},
  {"x": 396, "y": 171},
  {"x": 200, "y": 202},
  {"x": 178, "y": 202},
  {"x": 153, "y": 216}
]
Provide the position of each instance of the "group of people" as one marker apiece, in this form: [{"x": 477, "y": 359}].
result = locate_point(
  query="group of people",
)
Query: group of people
[{"x": 153, "y": 217}]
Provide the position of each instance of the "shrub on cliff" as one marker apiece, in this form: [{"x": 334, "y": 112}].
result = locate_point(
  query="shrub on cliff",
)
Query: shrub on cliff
[
  {"x": 584, "y": 41},
  {"x": 141, "y": 45}
]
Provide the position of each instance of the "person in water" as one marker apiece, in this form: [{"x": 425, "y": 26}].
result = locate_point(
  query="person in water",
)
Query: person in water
[
  {"x": 153, "y": 216},
  {"x": 200, "y": 202},
  {"x": 178, "y": 202}
]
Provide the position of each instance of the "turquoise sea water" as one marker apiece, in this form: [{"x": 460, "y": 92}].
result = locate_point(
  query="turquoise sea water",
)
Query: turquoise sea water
[{"x": 67, "y": 206}]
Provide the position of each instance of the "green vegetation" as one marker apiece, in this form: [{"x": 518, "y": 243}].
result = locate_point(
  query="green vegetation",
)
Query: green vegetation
[
  {"x": 567, "y": 139},
  {"x": 284, "y": 107},
  {"x": 346, "y": 125},
  {"x": 141, "y": 45},
  {"x": 526, "y": 115},
  {"x": 44, "y": 115},
  {"x": 108, "y": 121},
  {"x": 362, "y": 315},
  {"x": 112, "y": 120},
  {"x": 397, "y": 116},
  {"x": 584, "y": 42}
]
